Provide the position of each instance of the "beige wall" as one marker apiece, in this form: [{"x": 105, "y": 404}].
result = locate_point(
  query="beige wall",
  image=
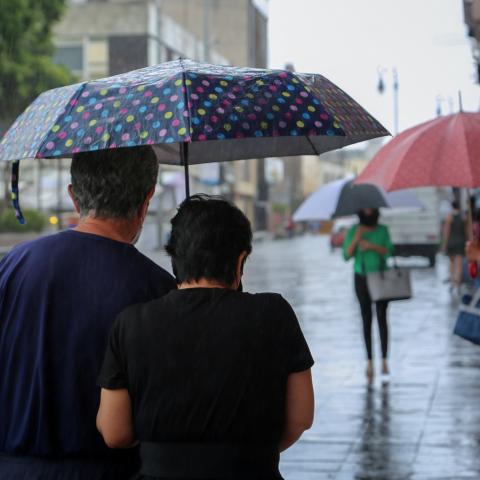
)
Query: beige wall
[
  {"x": 245, "y": 185},
  {"x": 101, "y": 19},
  {"x": 355, "y": 166},
  {"x": 317, "y": 171},
  {"x": 229, "y": 24}
]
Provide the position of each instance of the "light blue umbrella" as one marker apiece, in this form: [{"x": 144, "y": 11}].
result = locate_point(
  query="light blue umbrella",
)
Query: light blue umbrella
[{"x": 342, "y": 198}]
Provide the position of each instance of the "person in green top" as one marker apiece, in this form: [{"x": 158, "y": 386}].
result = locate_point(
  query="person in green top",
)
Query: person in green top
[{"x": 370, "y": 245}]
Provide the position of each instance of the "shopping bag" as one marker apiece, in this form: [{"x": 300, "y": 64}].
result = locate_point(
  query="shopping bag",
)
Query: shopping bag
[
  {"x": 389, "y": 285},
  {"x": 468, "y": 319}
]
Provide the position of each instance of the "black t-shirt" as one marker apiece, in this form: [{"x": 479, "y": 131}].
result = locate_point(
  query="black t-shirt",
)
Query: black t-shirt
[{"x": 206, "y": 365}]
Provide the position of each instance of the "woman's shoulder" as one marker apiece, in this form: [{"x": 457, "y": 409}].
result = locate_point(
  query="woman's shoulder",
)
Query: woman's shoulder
[
  {"x": 382, "y": 228},
  {"x": 134, "y": 313},
  {"x": 268, "y": 300},
  {"x": 272, "y": 309}
]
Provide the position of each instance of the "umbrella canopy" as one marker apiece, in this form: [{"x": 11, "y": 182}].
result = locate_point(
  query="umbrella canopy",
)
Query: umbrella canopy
[
  {"x": 342, "y": 198},
  {"x": 253, "y": 112},
  {"x": 192, "y": 113},
  {"x": 441, "y": 152}
]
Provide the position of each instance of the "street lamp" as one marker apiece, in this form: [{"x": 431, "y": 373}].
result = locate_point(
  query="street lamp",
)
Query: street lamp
[
  {"x": 395, "y": 86},
  {"x": 438, "y": 100}
]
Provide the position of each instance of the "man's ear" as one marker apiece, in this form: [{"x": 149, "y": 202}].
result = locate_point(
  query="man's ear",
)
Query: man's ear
[
  {"x": 146, "y": 203},
  {"x": 72, "y": 196}
]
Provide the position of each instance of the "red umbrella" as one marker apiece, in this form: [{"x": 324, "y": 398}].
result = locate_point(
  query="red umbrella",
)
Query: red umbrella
[{"x": 444, "y": 152}]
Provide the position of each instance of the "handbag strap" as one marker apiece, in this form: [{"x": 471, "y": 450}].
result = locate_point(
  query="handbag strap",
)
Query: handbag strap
[
  {"x": 383, "y": 263},
  {"x": 394, "y": 257}
]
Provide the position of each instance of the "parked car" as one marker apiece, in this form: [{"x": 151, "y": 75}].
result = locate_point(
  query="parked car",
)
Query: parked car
[{"x": 416, "y": 232}]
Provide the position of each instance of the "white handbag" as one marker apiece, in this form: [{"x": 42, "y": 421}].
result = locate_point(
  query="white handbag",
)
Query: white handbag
[{"x": 390, "y": 285}]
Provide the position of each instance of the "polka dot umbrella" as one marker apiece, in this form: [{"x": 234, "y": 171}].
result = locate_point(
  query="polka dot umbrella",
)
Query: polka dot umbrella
[{"x": 190, "y": 113}]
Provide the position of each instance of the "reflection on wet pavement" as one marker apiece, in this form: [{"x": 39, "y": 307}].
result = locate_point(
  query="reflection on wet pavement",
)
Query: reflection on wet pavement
[{"x": 422, "y": 423}]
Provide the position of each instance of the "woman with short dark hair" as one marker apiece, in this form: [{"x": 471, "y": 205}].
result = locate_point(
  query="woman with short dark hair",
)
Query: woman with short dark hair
[{"x": 212, "y": 382}]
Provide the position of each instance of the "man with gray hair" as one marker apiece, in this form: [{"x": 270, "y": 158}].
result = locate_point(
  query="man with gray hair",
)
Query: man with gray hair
[{"x": 59, "y": 295}]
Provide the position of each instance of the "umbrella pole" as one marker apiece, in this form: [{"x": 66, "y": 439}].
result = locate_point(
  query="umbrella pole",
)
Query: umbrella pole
[{"x": 184, "y": 160}]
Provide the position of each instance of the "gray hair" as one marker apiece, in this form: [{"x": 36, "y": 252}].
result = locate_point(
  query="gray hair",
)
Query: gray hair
[{"x": 113, "y": 183}]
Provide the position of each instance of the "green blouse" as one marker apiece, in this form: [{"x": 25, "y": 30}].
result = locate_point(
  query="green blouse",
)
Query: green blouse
[{"x": 369, "y": 261}]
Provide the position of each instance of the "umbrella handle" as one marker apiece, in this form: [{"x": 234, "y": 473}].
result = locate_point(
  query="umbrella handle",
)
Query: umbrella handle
[
  {"x": 184, "y": 162},
  {"x": 15, "y": 192}
]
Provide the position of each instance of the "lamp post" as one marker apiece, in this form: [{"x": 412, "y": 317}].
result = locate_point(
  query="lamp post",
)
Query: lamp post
[{"x": 395, "y": 87}]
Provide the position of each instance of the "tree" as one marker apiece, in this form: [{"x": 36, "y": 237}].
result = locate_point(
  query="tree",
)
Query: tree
[{"x": 26, "y": 48}]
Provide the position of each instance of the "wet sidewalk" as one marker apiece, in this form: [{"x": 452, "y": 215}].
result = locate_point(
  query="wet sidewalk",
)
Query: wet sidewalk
[{"x": 423, "y": 423}]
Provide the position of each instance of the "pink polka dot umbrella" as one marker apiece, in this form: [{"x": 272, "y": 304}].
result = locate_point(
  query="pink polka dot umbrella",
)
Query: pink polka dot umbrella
[
  {"x": 442, "y": 152},
  {"x": 190, "y": 113}
]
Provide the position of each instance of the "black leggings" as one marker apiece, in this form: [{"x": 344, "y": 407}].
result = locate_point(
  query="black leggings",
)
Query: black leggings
[{"x": 363, "y": 296}]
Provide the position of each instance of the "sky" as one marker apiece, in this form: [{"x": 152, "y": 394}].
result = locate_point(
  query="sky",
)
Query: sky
[{"x": 349, "y": 40}]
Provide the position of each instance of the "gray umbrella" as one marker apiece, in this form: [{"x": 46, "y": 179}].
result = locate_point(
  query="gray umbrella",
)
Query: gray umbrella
[{"x": 354, "y": 197}]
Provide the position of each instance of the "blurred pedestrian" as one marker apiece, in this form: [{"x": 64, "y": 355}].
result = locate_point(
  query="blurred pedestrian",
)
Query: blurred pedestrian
[
  {"x": 369, "y": 244},
  {"x": 212, "y": 382},
  {"x": 472, "y": 251},
  {"x": 290, "y": 227},
  {"x": 454, "y": 238},
  {"x": 59, "y": 296}
]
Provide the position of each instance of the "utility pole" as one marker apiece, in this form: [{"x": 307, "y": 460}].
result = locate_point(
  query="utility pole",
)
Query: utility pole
[
  {"x": 206, "y": 30},
  {"x": 395, "y": 101},
  {"x": 395, "y": 88}
]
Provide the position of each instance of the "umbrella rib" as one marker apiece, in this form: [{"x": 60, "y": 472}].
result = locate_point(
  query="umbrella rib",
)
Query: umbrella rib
[
  {"x": 185, "y": 99},
  {"x": 312, "y": 145}
]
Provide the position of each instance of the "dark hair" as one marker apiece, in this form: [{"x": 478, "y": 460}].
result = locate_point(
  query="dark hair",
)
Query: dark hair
[
  {"x": 208, "y": 235},
  {"x": 455, "y": 205},
  {"x": 369, "y": 220},
  {"x": 113, "y": 183}
]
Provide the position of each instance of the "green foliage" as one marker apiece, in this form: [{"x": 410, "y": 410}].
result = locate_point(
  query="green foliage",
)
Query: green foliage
[
  {"x": 26, "y": 47},
  {"x": 279, "y": 208},
  {"x": 36, "y": 221}
]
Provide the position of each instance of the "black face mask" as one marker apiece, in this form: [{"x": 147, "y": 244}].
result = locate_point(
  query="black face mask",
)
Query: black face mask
[{"x": 369, "y": 220}]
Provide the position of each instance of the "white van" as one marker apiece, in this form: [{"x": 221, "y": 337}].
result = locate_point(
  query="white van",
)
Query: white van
[{"x": 416, "y": 232}]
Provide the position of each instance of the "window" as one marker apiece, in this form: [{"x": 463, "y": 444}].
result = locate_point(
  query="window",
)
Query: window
[
  {"x": 246, "y": 172},
  {"x": 71, "y": 56},
  {"x": 97, "y": 54}
]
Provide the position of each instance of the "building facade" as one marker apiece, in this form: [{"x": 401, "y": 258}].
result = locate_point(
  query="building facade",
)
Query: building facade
[
  {"x": 98, "y": 38},
  {"x": 237, "y": 30},
  {"x": 330, "y": 166},
  {"x": 472, "y": 20}
]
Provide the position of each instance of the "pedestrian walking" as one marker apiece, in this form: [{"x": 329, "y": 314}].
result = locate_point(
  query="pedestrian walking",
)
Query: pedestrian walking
[
  {"x": 59, "y": 296},
  {"x": 213, "y": 382},
  {"x": 369, "y": 244},
  {"x": 454, "y": 239}
]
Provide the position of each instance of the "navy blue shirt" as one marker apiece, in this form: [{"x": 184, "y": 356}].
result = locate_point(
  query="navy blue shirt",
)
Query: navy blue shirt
[{"x": 59, "y": 296}]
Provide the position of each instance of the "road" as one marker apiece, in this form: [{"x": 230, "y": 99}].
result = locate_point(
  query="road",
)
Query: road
[{"x": 423, "y": 423}]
